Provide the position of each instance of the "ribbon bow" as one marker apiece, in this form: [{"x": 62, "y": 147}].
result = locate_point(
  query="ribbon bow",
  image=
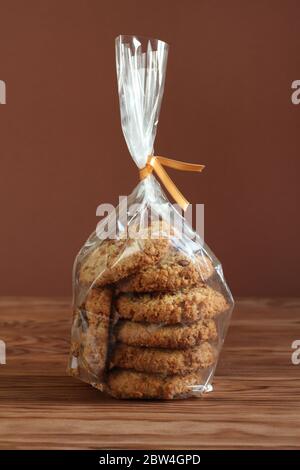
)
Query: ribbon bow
[{"x": 157, "y": 164}]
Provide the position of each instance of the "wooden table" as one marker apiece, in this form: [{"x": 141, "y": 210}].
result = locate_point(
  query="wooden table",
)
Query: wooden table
[{"x": 256, "y": 402}]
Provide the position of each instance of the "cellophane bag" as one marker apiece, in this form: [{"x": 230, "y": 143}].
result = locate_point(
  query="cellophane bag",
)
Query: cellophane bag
[{"x": 151, "y": 305}]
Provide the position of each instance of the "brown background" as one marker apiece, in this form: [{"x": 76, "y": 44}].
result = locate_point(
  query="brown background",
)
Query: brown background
[{"x": 227, "y": 104}]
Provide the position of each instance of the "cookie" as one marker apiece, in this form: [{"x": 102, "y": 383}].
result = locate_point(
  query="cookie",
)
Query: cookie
[
  {"x": 175, "y": 271},
  {"x": 162, "y": 361},
  {"x": 161, "y": 336},
  {"x": 113, "y": 260},
  {"x": 90, "y": 335},
  {"x": 98, "y": 301},
  {"x": 185, "y": 306},
  {"x": 137, "y": 385}
]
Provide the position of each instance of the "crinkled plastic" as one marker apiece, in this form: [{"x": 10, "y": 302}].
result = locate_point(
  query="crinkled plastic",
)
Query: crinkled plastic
[{"x": 151, "y": 305}]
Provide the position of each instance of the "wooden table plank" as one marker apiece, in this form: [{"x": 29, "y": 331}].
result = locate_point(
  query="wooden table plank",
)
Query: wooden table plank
[{"x": 255, "y": 404}]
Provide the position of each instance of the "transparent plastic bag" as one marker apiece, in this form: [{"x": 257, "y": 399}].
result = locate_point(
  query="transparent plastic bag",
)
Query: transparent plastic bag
[{"x": 151, "y": 305}]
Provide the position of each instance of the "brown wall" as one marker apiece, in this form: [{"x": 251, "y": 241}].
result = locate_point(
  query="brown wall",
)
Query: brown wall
[{"x": 227, "y": 104}]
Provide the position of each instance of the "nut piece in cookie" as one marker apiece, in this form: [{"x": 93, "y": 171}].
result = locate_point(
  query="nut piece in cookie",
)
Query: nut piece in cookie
[
  {"x": 163, "y": 361},
  {"x": 128, "y": 384},
  {"x": 113, "y": 260},
  {"x": 175, "y": 271},
  {"x": 185, "y": 306},
  {"x": 90, "y": 332},
  {"x": 165, "y": 336}
]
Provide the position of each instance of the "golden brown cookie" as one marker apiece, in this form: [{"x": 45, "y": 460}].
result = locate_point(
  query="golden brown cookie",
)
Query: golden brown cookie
[
  {"x": 137, "y": 385},
  {"x": 113, "y": 260},
  {"x": 185, "y": 306},
  {"x": 175, "y": 271},
  {"x": 162, "y": 361},
  {"x": 90, "y": 336},
  {"x": 162, "y": 336}
]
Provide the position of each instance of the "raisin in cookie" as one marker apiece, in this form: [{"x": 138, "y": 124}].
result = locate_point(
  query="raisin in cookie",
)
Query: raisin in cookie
[
  {"x": 185, "y": 306},
  {"x": 136, "y": 385},
  {"x": 175, "y": 271},
  {"x": 162, "y": 336},
  {"x": 163, "y": 361}
]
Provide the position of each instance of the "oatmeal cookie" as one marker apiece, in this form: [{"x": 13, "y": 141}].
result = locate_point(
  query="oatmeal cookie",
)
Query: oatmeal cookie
[
  {"x": 90, "y": 334},
  {"x": 175, "y": 271},
  {"x": 185, "y": 306},
  {"x": 113, "y": 260},
  {"x": 162, "y": 361},
  {"x": 130, "y": 384},
  {"x": 162, "y": 336}
]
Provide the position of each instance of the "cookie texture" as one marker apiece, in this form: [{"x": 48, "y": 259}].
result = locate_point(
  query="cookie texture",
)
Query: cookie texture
[
  {"x": 175, "y": 271},
  {"x": 113, "y": 260},
  {"x": 162, "y": 336},
  {"x": 90, "y": 334},
  {"x": 163, "y": 361},
  {"x": 185, "y": 306},
  {"x": 98, "y": 301},
  {"x": 126, "y": 384}
]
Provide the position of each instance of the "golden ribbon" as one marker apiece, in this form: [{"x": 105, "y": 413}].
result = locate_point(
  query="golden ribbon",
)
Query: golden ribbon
[{"x": 157, "y": 164}]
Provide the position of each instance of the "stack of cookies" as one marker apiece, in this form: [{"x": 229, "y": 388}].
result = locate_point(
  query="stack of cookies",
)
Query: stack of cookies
[{"x": 146, "y": 327}]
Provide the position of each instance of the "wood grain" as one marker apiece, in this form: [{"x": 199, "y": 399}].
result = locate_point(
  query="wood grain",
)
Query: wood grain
[{"x": 255, "y": 404}]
